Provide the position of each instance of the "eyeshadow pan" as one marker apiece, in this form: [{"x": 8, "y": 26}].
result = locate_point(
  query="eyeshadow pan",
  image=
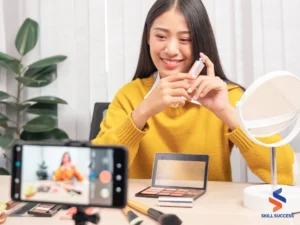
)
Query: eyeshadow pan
[
  {"x": 150, "y": 192},
  {"x": 154, "y": 188},
  {"x": 39, "y": 210},
  {"x": 173, "y": 194},
  {"x": 164, "y": 193}
]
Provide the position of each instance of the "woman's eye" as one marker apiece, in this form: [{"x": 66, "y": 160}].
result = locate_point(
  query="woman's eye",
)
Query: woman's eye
[
  {"x": 185, "y": 40},
  {"x": 160, "y": 36}
]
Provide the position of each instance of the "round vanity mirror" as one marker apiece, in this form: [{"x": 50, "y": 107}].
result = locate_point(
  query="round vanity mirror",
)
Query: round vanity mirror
[{"x": 271, "y": 106}]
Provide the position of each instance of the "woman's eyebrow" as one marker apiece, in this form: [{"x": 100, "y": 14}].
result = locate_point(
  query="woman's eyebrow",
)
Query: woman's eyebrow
[{"x": 166, "y": 30}]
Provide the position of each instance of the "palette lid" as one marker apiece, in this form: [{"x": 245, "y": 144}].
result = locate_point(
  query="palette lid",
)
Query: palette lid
[{"x": 180, "y": 171}]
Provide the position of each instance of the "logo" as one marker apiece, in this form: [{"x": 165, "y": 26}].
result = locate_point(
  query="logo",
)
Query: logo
[{"x": 278, "y": 199}]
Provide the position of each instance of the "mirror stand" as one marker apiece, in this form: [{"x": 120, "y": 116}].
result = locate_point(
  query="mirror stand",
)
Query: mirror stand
[{"x": 273, "y": 168}]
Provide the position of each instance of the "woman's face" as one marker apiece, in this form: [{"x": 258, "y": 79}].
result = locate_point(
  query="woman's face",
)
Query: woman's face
[
  {"x": 66, "y": 158},
  {"x": 170, "y": 43}
]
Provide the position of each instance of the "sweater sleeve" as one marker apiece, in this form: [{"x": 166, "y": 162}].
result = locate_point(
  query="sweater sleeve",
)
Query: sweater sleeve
[
  {"x": 258, "y": 157},
  {"x": 117, "y": 128}
]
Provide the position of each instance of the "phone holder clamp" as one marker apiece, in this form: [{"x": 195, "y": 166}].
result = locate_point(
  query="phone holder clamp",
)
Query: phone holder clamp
[{"x": 81, "y": 217}]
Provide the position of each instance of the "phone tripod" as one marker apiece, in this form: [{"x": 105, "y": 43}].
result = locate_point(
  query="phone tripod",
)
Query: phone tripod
[{"x": 81, "y": 217}]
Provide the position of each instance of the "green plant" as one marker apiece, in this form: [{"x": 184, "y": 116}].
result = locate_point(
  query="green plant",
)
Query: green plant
[
  {"x": 42, "y": 171},
  {"x": 17, "y": 124}
]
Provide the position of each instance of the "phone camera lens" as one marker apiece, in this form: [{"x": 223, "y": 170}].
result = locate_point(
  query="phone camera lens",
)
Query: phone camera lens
[
  {"x": 16, "y": 195},
  {"x": 118, "y": 189},
  {"x": 17, "y": 180},
  {"x": 18, "y": 164},
  {"x": 18, "y": 148}
]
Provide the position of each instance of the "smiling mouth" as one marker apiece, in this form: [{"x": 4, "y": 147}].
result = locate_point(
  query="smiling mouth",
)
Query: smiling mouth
[{"x": 171, "y": 62}]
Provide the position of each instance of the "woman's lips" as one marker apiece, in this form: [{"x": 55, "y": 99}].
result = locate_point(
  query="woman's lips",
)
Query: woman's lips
[{"x": 171, "y": 64}]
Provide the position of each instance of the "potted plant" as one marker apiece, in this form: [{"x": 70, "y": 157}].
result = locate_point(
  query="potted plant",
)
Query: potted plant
[
  {"x": 42, "y": 173},
  {"x": 17, "y": 124}
]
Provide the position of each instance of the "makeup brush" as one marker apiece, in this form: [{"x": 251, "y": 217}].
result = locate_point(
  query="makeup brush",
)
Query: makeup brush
[
  {"x": 163, "y": 219},
  {"x": 133, "y": 218}
]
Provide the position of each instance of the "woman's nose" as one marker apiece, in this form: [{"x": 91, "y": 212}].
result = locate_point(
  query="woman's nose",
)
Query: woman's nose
[{"x": 171, "y": 48}]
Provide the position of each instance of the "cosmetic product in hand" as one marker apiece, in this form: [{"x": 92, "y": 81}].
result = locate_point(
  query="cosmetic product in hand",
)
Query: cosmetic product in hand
[
  {"x": 163, "y": 219},
  {"x": 178, "y": 175},
  {"x": 180, "y": 202},
  {"x": 133, "y": 218},
  {"x": 194, "y": 71}
]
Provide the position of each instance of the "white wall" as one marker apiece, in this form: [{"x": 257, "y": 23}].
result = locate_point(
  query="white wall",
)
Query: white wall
[{"x": 102, "y": 40}]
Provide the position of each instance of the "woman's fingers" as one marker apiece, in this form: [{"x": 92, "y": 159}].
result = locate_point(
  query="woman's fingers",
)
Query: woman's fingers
[
  {"x": 180, "y": 92},
  {"x": 209, "y": 65},
  {"x": 207, "y": 86},
  {"x": 180, "y": 84},
  {"x": 197, "y": 83},
  {"x": 180, "y": 76}
]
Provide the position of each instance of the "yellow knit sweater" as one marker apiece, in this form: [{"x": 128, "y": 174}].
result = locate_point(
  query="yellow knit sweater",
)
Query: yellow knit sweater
[{"x": 188, "y": 129}]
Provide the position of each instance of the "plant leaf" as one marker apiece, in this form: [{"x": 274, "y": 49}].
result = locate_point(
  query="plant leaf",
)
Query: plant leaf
[
  {"x": 43, "y": 109},
  {"x": 40, "y": 124},
  {"x": 55, "y": 134},
  {"x": 48, "y": 61},
  {"x": 4, "y": 95},
  {"x": 6, "y": 140},
  {"x": 9, "y": 63},
  {"x": 47, "y": 100},
  {"x": 15, "y": 105},
  {"x": 27, "y": 81},
  {"x": 47, "y": 74},
  {"x": 3, "y": 171},
  {"x": 27, "y": 36},
  {"x": 3, "y": 124},
  {"x": 3, "y": 118}
]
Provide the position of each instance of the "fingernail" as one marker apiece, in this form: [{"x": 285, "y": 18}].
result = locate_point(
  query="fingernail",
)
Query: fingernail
[{"x": 189, "y": 90}]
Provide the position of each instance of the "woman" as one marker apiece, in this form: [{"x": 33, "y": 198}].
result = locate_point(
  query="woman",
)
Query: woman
[
  {"x": 141, "y": 116},
  {"x": 67, "y": 170}
]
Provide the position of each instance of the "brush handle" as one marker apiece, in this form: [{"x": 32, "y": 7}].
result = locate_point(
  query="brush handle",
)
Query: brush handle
[
  {"x": 153, "y": 213},
  {"x": 138, "y": 206}
]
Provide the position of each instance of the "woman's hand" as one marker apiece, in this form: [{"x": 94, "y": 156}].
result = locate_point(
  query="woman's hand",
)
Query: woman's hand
[
  {"x": 212, "y": 93},
  {"x": 169, "y": 91},
  {"x": 210, "y": 90}
]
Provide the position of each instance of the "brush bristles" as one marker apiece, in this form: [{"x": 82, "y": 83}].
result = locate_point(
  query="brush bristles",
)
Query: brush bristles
[
  {"x": 169, "y": 219},
  {"x": 136, "y": 221}
]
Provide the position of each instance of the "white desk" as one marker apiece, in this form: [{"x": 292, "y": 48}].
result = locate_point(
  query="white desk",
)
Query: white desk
[{"x": 222, "y": 204}]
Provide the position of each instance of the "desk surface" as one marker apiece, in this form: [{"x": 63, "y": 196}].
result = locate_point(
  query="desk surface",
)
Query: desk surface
[{"x": 222, "y": 204}]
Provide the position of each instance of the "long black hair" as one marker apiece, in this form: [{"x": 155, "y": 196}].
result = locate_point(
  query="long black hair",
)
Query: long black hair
[
  {"x": 66, "y": 153},
  {"x": 203, "y": 39}
]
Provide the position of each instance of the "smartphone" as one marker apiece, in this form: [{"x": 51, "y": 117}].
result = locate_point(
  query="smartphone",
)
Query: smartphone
[{"x": 74, "y": 173}]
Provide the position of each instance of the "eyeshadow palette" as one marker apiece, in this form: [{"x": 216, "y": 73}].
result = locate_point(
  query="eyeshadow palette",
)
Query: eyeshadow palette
[
  {"x": 177, "y": 175},
  {"x": 155, "y": 192}
]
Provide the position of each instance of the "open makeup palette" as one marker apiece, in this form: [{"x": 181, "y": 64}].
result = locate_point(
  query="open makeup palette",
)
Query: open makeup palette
[{"x": 177, "y": 175}]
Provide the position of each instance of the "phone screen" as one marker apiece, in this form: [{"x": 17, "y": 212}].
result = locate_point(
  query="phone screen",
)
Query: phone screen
[{"x": 94, "y": 176}]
